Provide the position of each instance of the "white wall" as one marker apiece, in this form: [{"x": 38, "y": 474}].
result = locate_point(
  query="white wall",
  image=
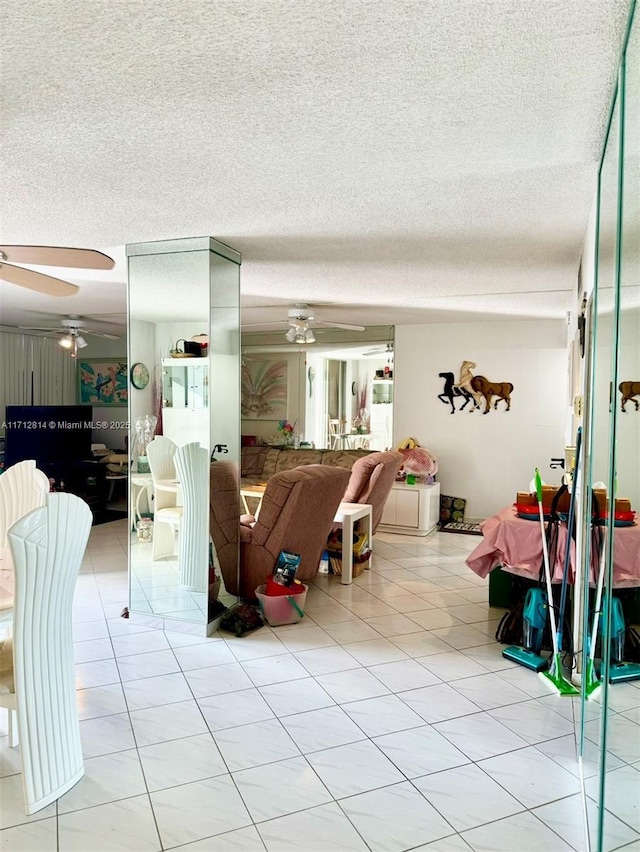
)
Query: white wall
[
  {"x": 484, "y": 458},
  {"x": 142, "y": 343}
]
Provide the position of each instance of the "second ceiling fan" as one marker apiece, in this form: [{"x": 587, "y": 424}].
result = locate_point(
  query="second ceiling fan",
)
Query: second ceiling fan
[
  {"x": 302, "y": 321},
  {"x": 71, "y": 330}
]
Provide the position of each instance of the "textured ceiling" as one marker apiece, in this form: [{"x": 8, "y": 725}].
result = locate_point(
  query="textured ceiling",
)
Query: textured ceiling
[{"x": 423, "y": 158}]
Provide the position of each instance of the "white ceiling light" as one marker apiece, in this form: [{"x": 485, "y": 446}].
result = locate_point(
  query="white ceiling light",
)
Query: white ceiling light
[
  {"x": 300, "y": 333},
  {"x": 81, "y": 342},
  {"x": 66, "y": 342}
]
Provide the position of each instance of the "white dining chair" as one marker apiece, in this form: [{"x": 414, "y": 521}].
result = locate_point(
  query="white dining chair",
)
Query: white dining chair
[
  {"x": 166, "y": 514},
  {"x": 37, "y": 672},
  {"x": 192, "y": 466},
  {"x": 22, "y": 488}
]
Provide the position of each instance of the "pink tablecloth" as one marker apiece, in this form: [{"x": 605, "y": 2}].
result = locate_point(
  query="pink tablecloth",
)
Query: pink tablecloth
[{"x": 515, "y": 544}]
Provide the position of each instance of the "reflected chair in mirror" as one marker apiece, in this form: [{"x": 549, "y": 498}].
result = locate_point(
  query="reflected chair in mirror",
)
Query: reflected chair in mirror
[
  {"x": 191, "y": 463},
  {"x": 337, "y": 429},
  {"x": 224, "y": 520},
  {"x": 37, "y": 672},
  {"x": 296, "y": 515},
  {"x": 371, "y": 480},
  {"x": 166, "y": 514},
  {"x": 22, "y": 488}
]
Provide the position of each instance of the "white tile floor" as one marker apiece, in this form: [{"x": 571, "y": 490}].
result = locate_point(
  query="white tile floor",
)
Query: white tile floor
[{"x": 387, "y": 721}]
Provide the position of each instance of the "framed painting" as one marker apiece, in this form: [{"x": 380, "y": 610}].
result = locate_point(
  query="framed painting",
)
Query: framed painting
[
  {"x": 264, "y": 390},
  {"x": 103, "y": 381}
]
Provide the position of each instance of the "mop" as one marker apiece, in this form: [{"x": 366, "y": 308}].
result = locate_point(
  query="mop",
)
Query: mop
[{"x": 554, "y": 676}]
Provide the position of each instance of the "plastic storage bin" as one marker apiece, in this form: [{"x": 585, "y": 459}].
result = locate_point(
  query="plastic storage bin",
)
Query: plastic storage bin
[{"x": 280, "y": 609}]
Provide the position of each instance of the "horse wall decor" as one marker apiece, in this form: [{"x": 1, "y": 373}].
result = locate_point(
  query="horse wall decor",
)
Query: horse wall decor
[
  {"x": 501, "y": 390},
  {"x": 629, "y": 390},
  {"x": 451, "y": 391},
  {"x": 464, "y": 382},
  {"x": 475, "y": 390}
]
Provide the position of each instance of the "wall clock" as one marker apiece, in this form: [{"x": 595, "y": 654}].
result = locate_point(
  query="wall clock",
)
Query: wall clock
[{"x": 139, "y": 376}]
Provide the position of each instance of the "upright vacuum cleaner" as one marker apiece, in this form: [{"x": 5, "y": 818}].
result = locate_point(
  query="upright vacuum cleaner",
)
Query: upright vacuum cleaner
[{"x": 554, "y": 675}]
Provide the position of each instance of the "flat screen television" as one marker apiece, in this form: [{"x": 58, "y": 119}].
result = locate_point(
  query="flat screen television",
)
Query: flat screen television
[{"x": 53, "y": 435}]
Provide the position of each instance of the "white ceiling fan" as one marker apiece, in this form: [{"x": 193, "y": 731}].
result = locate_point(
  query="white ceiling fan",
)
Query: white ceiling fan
[
  {"x": 301, "y": 321},
  {"x": 75, "y": 258},
  {"x": 71, "y": 328}
]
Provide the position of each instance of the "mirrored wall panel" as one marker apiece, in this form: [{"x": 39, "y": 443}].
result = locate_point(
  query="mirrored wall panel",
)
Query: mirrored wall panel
[
  {"x": 184, "y": 430},
  {"x": 610, "y": 724}
]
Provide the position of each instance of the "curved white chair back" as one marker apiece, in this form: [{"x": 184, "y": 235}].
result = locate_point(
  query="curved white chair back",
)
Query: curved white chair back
[
  {"x": 161, "y": 452},
  {"x": 192, "y": 465},
  {"x": 22, "y": 488},
  {"x": 48, "y": 546}
]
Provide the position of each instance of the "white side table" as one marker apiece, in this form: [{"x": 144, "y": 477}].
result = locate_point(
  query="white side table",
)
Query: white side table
[{"x": 347, "y": 515}]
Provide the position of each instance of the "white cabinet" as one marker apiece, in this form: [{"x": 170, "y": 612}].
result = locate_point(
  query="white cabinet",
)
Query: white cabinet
[
  {"x": 411, "y": 509},
  {"x": 185, "y": 400}
]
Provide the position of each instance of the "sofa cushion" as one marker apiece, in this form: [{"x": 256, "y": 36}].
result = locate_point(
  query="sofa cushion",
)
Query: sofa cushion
[
  {"x": 288, "y": 459},
  {"x": 343, "y": 458},
  {"x": 253, "y": 459},
  {"x": 270, "y": 462}
]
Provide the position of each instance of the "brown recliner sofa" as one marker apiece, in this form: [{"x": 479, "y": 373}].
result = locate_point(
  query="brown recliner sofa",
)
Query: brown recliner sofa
[
  {"x": 371, "y": 480},
  {"x": 259, "y": 464},
  {"x": 296, "y": 515}
]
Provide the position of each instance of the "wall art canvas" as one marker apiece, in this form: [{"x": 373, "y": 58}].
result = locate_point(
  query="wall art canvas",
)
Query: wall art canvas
[
  {"x": 264, "y": 390},
  {"x": 103, "y": 382}
]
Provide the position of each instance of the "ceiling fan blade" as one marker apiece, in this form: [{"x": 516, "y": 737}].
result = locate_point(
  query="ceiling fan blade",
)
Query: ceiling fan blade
[
  {"x": 99, "y": 334},
  {"x": 37, "y": 328},
  {"x": 77, "y": 258},
  {"x": 329, "y": 324},
  {"x": 36, "y": 281},
  {"x": 264, "y": 324}
]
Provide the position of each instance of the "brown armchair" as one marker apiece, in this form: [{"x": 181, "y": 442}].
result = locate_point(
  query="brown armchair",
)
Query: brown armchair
[
  {"x": 371, "y": 479},
  {"x": 224, "y": 519},
  {"x": 296, "y": 514}
]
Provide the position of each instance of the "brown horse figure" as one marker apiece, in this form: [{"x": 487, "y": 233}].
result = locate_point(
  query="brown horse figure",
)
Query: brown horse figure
[
  {"x": 487, "y": 389},
  {"x": 629, "y": 390}
]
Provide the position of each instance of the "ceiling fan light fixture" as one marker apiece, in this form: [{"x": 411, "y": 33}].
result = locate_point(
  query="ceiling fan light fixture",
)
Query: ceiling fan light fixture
[
  {"x": 81, "y": 342},
  {"x": 309, "y": 336},
  {"x": 291, "y": 334},
  {"x": 66, "y": 342}
]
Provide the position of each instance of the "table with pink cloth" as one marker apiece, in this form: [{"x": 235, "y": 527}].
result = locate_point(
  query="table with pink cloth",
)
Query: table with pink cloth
[{"x": 514, "y": 544}]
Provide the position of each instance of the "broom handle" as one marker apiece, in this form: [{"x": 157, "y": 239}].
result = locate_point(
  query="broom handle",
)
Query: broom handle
[
  {"x": 598, "y": 604},
  {"x": 567, "y": 550},
  {"x": 547, "y": 569}
]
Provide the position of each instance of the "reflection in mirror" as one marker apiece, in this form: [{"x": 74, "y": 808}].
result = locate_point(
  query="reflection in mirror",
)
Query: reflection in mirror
[
  {"x": 190, "y": 347},
  {"x": 610, "y": 738},
  {"x": 619, "y": 786},
  {"x": 599, "y": 455},
  {"x": 336, "y": 393}
]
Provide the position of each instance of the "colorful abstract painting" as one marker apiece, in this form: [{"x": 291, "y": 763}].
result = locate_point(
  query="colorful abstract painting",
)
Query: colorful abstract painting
[
  {"x": 264, "y": 390},
  {"x": 103, "y": 382}
]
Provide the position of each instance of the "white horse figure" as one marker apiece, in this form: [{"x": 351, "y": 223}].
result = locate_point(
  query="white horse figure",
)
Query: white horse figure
[{"x": 464, "y": 382}]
